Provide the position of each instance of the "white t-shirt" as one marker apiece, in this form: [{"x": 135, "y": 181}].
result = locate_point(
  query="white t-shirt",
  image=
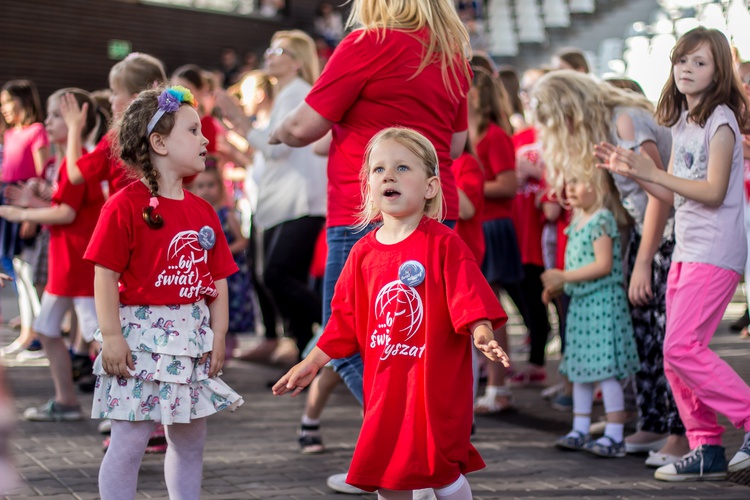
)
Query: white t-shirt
[{"x": 703, "y": 234}]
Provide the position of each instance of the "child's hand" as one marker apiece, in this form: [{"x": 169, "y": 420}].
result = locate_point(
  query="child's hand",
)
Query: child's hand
[
  {"x": 18, "y": 196},
  {"x": 639, "y": 290},
  {"x": 73, "y": 115},
  {"x": 625, "y": 162},
  {"x": 553, "y": 280},
  {"x": 218, "y": 356},
  {"x": 3, "y": 278},
  {"x": 11, "y": 214},
  {"x": 116, "y": 357},
  {"x": 296, "y": 379},
  {"x": 549, "y": 295},
  {"x": 491, "y": 349}
]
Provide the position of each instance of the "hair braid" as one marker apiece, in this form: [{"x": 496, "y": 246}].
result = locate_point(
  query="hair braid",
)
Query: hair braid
[{"x": 151, "y": 175}]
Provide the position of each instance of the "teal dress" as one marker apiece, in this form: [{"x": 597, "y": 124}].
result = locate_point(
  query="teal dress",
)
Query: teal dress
[{"x": 599, "y": 334}]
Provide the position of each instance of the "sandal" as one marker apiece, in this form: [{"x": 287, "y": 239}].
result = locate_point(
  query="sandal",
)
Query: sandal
[
  {"x": 495, "y": 400},
  {"x": 310, "y": 440},
  {"x": 612, "y": 449},
  {"x": 574, "y": 440}
]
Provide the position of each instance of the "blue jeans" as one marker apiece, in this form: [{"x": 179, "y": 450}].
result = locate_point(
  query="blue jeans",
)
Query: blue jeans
[{"x": 340, "y": 241}]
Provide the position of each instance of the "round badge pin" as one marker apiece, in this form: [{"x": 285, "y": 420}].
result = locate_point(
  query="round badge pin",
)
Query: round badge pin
[
  {"x": 411, "y": 273},
  {"x": 207, "y": 237}
]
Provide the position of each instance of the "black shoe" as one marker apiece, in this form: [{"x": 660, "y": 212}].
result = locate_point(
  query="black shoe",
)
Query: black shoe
[
  {"x": 742, "y": 322},
  {"x": 82, "y": 366}
]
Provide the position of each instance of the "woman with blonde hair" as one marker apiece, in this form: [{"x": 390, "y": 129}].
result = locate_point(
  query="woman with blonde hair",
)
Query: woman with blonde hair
[
  {"x": 405, "y": 64},
  {"x": 291, "y": 202},
  {"x": 573, "y": 113}
]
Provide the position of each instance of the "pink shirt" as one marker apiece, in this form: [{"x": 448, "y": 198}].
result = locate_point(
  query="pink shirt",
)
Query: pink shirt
[{"x": 18, "y": 155}]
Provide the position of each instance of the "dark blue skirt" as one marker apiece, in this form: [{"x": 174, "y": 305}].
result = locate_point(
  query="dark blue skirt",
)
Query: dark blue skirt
[{"x": 502, "y": 259}]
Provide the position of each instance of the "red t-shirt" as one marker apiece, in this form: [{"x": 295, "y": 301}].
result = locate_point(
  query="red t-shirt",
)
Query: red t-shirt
[
  {"x": 417, "y": 363},
  {"x": 68, "y": 275},
  {"x": 470, "y": 180},
  {"x": 102, "y": 164},
  {"x": 368, "y": 85},
  {"x": 495, "y": 152},
  {"x": 211, "y": 130},
  {"x": 528, "y": 217},
  {"x": 562, "y": 222},
  {"x": 166, "y": 266}
]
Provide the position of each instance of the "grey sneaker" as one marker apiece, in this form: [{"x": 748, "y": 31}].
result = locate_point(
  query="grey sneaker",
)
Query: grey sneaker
[
  {"x": 52, "y": 411},
  {"x": 574, "y": 440},
  {"x": 337, "y": 482},
  {"x": 705, "y": 463},
  {"x": 741, "y": 459},
  {"x": 611, "y": 449}
]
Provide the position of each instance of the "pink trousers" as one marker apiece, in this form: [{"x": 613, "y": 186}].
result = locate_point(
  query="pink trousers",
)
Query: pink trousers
[{"x": 702, "y": 383}]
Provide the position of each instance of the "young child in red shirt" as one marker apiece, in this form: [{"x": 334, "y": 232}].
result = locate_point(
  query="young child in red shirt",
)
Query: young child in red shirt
[
  {"x": 410, "y": 296},
  {"x": 161, "y": 263}
]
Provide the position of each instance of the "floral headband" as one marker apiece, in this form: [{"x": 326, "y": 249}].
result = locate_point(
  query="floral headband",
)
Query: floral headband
[{"x": 169, "y": 102}]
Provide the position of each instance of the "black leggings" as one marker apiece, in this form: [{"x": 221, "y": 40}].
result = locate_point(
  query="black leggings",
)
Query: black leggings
[
  {"x": 527, "y": 295},
  {"x": 288, "y": 252}
]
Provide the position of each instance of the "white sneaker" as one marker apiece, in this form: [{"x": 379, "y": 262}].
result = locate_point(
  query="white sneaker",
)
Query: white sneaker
[
  {"x": 426, "y": 494},
  {"x": 337, "y": 482},
  {"x": 741, "y": 459},
  {"x": 105, "y": 426},
  {"x": 27, "y": 355},
  {"x": 12, "y": 349}
]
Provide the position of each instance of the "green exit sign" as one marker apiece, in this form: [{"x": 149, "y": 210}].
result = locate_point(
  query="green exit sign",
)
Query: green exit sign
[{"x": 118, "y": 49}]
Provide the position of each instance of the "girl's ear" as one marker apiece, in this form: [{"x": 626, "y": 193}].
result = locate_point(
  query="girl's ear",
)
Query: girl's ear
[
  {"x": 156, "y": 141},
  {"x": 432, "y": 188}
]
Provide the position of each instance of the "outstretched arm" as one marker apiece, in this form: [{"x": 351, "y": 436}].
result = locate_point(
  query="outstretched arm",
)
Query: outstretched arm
[
  {"x": 301, "y": 374},
  {"x": 485, "y": 341},
  {"x": 301, "y": 127}
]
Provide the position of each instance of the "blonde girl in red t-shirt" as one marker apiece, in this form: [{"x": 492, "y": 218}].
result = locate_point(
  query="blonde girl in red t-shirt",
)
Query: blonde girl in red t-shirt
[
  {"x": 406, "y": 411},
  {"x": 71, "y": 218},
  {"x": 127, "y": 78},
  {"x": 489, "y": 133},
  {"x": 161, "y": 263}
]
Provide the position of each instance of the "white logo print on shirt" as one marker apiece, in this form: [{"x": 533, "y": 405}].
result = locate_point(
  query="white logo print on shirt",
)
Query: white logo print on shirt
[
  {"x": 399, "y": 313},
  {"x": 183, "y": 254}
]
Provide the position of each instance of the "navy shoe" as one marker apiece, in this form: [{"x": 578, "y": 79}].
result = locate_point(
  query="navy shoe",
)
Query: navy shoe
[
  {"x": 574, "y": 440},
  {"x": 705, "y": 463}
]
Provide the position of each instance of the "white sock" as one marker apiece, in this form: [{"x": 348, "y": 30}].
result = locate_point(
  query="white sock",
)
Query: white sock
[
  {"x": 458, "y": 490},
  {"x": 310, "y": 421},
  {"x": 581, "y": 423},
  {"x": 614, "y": 431}
]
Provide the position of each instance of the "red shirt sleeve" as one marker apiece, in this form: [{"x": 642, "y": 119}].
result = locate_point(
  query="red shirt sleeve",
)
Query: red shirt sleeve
[
  {"x": 500, "y": 155},
  {"x": 94, "y": 166},
  {"x": 343, "y": 78},
  {"x": 470, "y": 297},
  {"x": 67, "y": 193},
  {"x": 111, "y": 243}
]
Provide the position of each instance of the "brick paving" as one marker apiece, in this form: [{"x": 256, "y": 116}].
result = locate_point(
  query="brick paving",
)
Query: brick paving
[{"x": 253, "y": 453}]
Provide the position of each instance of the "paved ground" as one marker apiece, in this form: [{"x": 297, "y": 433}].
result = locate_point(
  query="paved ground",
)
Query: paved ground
[{"x": 253, "y": 453}]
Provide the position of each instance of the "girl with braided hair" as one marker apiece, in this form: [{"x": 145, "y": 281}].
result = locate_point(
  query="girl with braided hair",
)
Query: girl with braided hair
[{"x": 163, "y": 328}]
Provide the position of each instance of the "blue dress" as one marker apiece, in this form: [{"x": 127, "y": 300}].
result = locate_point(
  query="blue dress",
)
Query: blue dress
[
  {"x": 240, "y": 285},
  {"x": 599, "y": 340}
]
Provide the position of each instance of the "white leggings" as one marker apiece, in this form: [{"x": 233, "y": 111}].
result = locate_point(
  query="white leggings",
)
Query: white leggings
[
  {"x": 28, "y": 299},
  {"x": 458, "y": 490},
  {"x": 183, "y": 464}
]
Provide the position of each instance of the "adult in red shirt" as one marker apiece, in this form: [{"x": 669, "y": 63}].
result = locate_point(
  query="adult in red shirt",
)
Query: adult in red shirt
[{"x": 402, "y": 68}]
